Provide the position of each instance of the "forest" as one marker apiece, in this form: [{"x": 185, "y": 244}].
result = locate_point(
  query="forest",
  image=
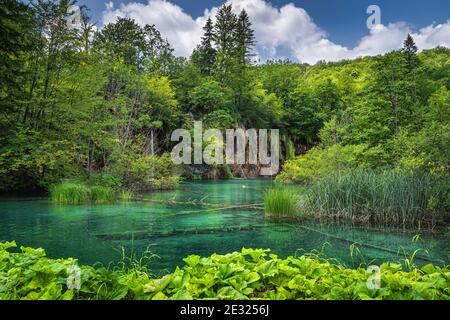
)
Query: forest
[{"x": 87, "y": 113}]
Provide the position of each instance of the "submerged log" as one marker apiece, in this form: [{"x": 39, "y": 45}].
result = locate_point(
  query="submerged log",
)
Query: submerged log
[
  {"x": 199, "y": 203},
  {"x": 367, "y": 245},
  {"x": 146, "y": 234}
]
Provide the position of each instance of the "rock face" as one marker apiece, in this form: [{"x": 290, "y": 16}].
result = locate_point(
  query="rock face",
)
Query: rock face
[
  {"x": 205, "y": 172},
  {"x": 246, "y": 171}
]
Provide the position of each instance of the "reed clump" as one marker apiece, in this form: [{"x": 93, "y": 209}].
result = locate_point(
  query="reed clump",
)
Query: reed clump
[
  {"x": 386, "y": 197},
  {"x": 281, "y": 203},
  {"x": 71, "y": 192}
]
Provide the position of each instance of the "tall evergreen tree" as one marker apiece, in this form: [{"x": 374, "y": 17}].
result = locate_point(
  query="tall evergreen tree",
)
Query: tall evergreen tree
[
  {"x": 245, "y": 38},
  {"x": 410, "y": 51},
  {"x": 224, "y": 39},
  {"x": 205, "y": 53}
]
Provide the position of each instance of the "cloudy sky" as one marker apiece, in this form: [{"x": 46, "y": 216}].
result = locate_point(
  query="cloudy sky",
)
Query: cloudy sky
[{"x": 301, "y": 30}]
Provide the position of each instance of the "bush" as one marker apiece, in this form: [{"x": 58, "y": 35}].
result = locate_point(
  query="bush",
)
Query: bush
[
  {"x": 249, "y": 274},
  {"x": 318, "y": 163},
  {"x": 281, "y": 203},
  {"x": 146, "y": 173},
  {"x": 367, "y": 196}
]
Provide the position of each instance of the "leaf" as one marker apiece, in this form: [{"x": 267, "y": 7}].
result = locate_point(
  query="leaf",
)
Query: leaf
[
  {"x": 229, "y": 293},
  {"x": 192, "y": 261},
  {"x": 158, "y": 285},
  {"x": 160, "y": 296},
  {"x": 429, "y": 268},
  {"x": 267, "y": 269},
  {"x": 182, "y": 294}
]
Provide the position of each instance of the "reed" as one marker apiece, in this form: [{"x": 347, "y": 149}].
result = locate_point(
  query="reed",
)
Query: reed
[
  {"x": 70, "y": 193},
  {"x": 281, "y": 203},
  {"x": 387, "y": 197},
  {"x": 79, "y": 193},
  {"x": 126, "y": 196},
  {"x": 100, "y": 194}
]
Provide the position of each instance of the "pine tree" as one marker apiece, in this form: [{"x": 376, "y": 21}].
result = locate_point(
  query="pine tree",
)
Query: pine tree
[
  {"x": 206, "y": 54},
  {"x": 225, "y": 41},
  {"x": 245, "y": 38},
  {"x": 410, "y": 51}
]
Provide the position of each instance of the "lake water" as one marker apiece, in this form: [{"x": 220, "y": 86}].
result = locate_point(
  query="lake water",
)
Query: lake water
[{"x": 177, "y": 223}]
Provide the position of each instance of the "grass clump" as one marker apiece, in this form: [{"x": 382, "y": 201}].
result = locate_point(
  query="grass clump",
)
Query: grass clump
[
  {"x": 126, "y": 196},
  {"x": 281, "y": 203},
  {"x": 100, "y": 194},
  {"x": 387, "y": 197},
  {"x": 79, "y": 193},
  {"x": 70, "y": 193}
]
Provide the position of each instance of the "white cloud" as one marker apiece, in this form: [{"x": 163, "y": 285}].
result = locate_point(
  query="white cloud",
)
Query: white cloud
[
  {"x": 182, "y": 31},
  {"x": 280, "y": 32}
]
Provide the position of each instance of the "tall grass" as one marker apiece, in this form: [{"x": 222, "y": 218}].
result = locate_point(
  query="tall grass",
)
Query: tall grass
[
  {"x": 70, "y": 193},
  {"x": 126, "y": 196},
  {"x": 387, "y": 197},
  {"x": 100, "y": 194},
  {"x": 280, "y": 203},
  {"x": 78, "y": 193}
]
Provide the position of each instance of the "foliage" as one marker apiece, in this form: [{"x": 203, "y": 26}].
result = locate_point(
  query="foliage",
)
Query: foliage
[
  {"x": 249, "y": 274},
  {"x": 386, "y": 197},
  {"x": 146, "y": 172},
  {"x": 79, "y": 193},
  {"x": 79, "y": 103},
  {"x": 70, "y": 193},
  {"x": 281, "y": 203},
  {"x": 319, "y": 162}
]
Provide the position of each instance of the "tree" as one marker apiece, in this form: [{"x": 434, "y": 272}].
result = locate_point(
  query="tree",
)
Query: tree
[
  {"x": 245, "y": 38},
  {"x": 224, "y": 39},
  {"x": 142, "y": 47},
  {"x": 205, "y": 54},
  {"x": 208, "y": 97},
  {"x": 410, "y": 51}
]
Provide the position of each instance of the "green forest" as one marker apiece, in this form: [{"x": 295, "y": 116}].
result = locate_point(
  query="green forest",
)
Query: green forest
[
  {"x": 87, "y": 113},
  {"x": 99, "y": 106}
]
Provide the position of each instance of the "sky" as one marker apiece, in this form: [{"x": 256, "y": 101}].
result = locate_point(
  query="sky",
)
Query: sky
[{"x": 300, "y": 30}]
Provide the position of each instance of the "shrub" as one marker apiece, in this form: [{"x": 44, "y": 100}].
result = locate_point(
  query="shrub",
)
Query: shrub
[
  {"x": 318, "y": 163},
  {"x": 249, "y": 274},
  {"x": 146, "y": 173}
]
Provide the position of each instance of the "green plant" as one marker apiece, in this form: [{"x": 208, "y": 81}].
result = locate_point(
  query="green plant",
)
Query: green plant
[
  {"x": 387, "y": 197},
  {"x": 70, "y": 193},
  {"x": 281, "y": 203},
  {"x": 249, "y": 274},
  {"x": 79, "y": 193},
  {"x": 319, "y": 162},
  {"x": 99, "y": 194},
  {"x": 126, "y": 196}
]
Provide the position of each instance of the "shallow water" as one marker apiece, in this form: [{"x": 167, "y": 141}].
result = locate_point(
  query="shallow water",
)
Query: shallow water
[{"x": 176, "y": 224}]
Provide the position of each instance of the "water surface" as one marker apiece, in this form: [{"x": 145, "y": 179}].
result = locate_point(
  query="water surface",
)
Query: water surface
[{"x": 199, "y": 218}]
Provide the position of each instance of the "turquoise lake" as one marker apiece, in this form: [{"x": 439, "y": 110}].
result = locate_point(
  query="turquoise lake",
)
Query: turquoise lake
[{"x": 177, "y": 223}]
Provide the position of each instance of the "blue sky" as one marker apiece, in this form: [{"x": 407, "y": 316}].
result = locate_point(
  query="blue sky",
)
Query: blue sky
[
  {"x": 339, "y": 23},
  {"x": 343, "y": 20}
]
